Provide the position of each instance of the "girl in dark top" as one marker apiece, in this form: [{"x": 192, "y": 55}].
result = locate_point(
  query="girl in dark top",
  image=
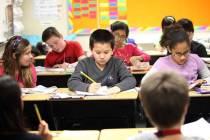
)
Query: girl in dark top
[{"x": 11, "y": 114}]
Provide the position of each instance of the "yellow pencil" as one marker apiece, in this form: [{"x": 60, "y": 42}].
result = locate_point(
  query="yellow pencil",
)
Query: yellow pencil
[
  {"x": 37, "y": 112},
  {"x": 85, "y": 75}
]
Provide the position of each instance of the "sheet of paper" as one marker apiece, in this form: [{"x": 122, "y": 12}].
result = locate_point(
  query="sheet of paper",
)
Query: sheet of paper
[
  {"x": 101, "y": 92},
  {"x": 39, "y": 89},
  {"x": 200, "y": 128}
]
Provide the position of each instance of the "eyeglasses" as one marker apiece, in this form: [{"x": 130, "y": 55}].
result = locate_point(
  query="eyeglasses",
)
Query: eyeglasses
[
  {"x": 182, "y": 54},
  {"x": 119, "y": 37},
  {"x": 16, "y": 41}
]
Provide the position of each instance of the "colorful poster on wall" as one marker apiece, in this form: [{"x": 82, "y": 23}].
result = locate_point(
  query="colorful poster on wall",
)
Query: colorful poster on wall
[{"x": 102, "y": 12}]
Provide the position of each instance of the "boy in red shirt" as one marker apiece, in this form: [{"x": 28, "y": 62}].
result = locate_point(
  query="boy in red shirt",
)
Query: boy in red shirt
[{"x": 63, "y": 52}]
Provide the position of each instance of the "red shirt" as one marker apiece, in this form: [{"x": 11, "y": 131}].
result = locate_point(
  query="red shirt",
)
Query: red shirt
[
  {"x": 128, "y": 51},
  {"x": 19, "y": 79},
  {"x": 70, "y": 54}
]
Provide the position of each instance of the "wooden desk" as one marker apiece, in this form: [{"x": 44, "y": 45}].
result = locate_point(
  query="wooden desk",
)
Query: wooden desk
[
  {"x": 53, "y": 78},
  {"x": 39, "y": 60},
  {"x": 60, "y": 79},
  {"x": 75, "y": 135},
  {"x": 121, "y": 134},
  {"x": 124, "y": 134},
  {"x": 92, "y": 112},
  {"x": 155, "y": 55},
  {"x": 199, "y": 106}
]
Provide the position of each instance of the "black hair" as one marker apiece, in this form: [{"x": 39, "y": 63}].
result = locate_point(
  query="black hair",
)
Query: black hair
[
  {"x": 42, "y": 47},
  {"x": 167, "y": 21},
  {"x": 49, "y": 32},
  {"x": 11, "y": 112},
  {"x": 101, "y": 36},
  {"x": 173, "y": 35},
  {"x": 186, "y": 24},
  {"x": 119, "y": 25}
]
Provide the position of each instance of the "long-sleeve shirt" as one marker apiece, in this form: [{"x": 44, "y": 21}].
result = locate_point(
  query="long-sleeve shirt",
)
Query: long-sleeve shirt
[
  {"x": 115, "y": 73},
  {"x": 198, "y": 48},
  {"x": 191, "y": 70},
  {"x": 20, "y": 80},
  {"x": 129, "y": 50}
]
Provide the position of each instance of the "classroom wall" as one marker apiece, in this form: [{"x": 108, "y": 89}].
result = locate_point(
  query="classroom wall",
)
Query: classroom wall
[
  {"x": 146, "y": 13},
  {"x": 140, "y": 13},
  {"x": 33, "y": 26}
]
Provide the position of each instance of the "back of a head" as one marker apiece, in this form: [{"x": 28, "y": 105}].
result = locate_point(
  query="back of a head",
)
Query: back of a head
[
  {"x": 11, "y": 119},
  {"x": 119, "y": 25},
  {"x": 101, "y": 36},
  {"x": 42, "y": 47},
  {"x": 164, "y": 97},
  {"x": 173, "y": 35},
  {"x": 167, "y": 21},
  {"x": 49, "y": 32},
  {"x": 186, "y": 24}
]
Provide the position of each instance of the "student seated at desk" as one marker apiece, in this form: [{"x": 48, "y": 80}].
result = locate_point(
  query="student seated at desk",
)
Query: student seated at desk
[
  {"x": 195, "y": 47},
  {"x": 191, "y": 66},
  {"x": 11, "y": 114},
  {"x": 128, "y": 52},
  {"x": 17, "y": 63},
  {"x": 63, "y": 52},
  {"x": 43, "y": 48},
  {"x": 165, "y": 100},
  {"x": 102, "y": 67},
  {"x": 166, "y": 21}
]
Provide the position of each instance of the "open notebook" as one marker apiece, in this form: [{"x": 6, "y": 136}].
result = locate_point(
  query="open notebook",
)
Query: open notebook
[{"x": 101, "y": 92}]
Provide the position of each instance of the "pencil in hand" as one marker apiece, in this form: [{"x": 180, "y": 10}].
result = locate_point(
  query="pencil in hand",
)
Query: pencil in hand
[
  {"x": 37, "y": 112},
  {"x": 86, "y": 76}
]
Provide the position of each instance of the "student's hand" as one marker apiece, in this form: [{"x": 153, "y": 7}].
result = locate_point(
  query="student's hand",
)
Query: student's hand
[
  {"x": 199, "y": 81},
  {"x": 64, "y": 65},
  {"x": 136, "y": 60},
  {"x": 94, "y": 87},
  {"x": 44, "y": 131},
  {"x": 57, "y": 66},
  {"x": 113, "y": 90}
]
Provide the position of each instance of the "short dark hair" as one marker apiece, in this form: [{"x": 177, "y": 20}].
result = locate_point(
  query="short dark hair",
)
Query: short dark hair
[
  {"x": 49, "y": 32},
  {"x": 11, "y": 113},
  {"x": 119, "y": 25},
  {"x": 173, "y": 35},
  {"x": 42, "y": 47},
  {"x": 164, "y": 96},
  {"x": 101, "y": 36},
  {"x": 186, "y": 24},
  {"x": 167, "y": 21}
]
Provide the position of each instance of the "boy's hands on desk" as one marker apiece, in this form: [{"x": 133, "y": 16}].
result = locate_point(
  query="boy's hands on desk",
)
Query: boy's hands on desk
[
  {"x": 64, "y": 65},
  {"x": 113, "y": 90},
  {"x": 93, "y": 87},
  {"x": 44, "y": 130}
]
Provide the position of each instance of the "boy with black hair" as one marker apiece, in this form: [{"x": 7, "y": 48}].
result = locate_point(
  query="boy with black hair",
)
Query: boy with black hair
[{"x": 195, "y": 47}]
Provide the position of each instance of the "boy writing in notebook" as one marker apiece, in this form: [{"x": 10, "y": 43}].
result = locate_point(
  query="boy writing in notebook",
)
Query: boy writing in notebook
[
  {"x": 63, "y": 52},
  {"x": 102, "y": 67}
]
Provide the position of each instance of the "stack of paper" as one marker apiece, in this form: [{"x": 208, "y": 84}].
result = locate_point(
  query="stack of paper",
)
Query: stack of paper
[{"x": 39, "y": 89}]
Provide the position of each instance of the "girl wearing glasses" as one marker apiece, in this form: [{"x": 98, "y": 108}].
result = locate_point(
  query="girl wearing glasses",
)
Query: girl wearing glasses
[
  {"x": 17, "y": 59},
  {"x": 177, "y": 42},
  {"x": 128, "y": 52}
]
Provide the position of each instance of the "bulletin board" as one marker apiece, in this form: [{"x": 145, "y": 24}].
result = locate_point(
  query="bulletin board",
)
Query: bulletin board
[{"x": 143, "y": 14}]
